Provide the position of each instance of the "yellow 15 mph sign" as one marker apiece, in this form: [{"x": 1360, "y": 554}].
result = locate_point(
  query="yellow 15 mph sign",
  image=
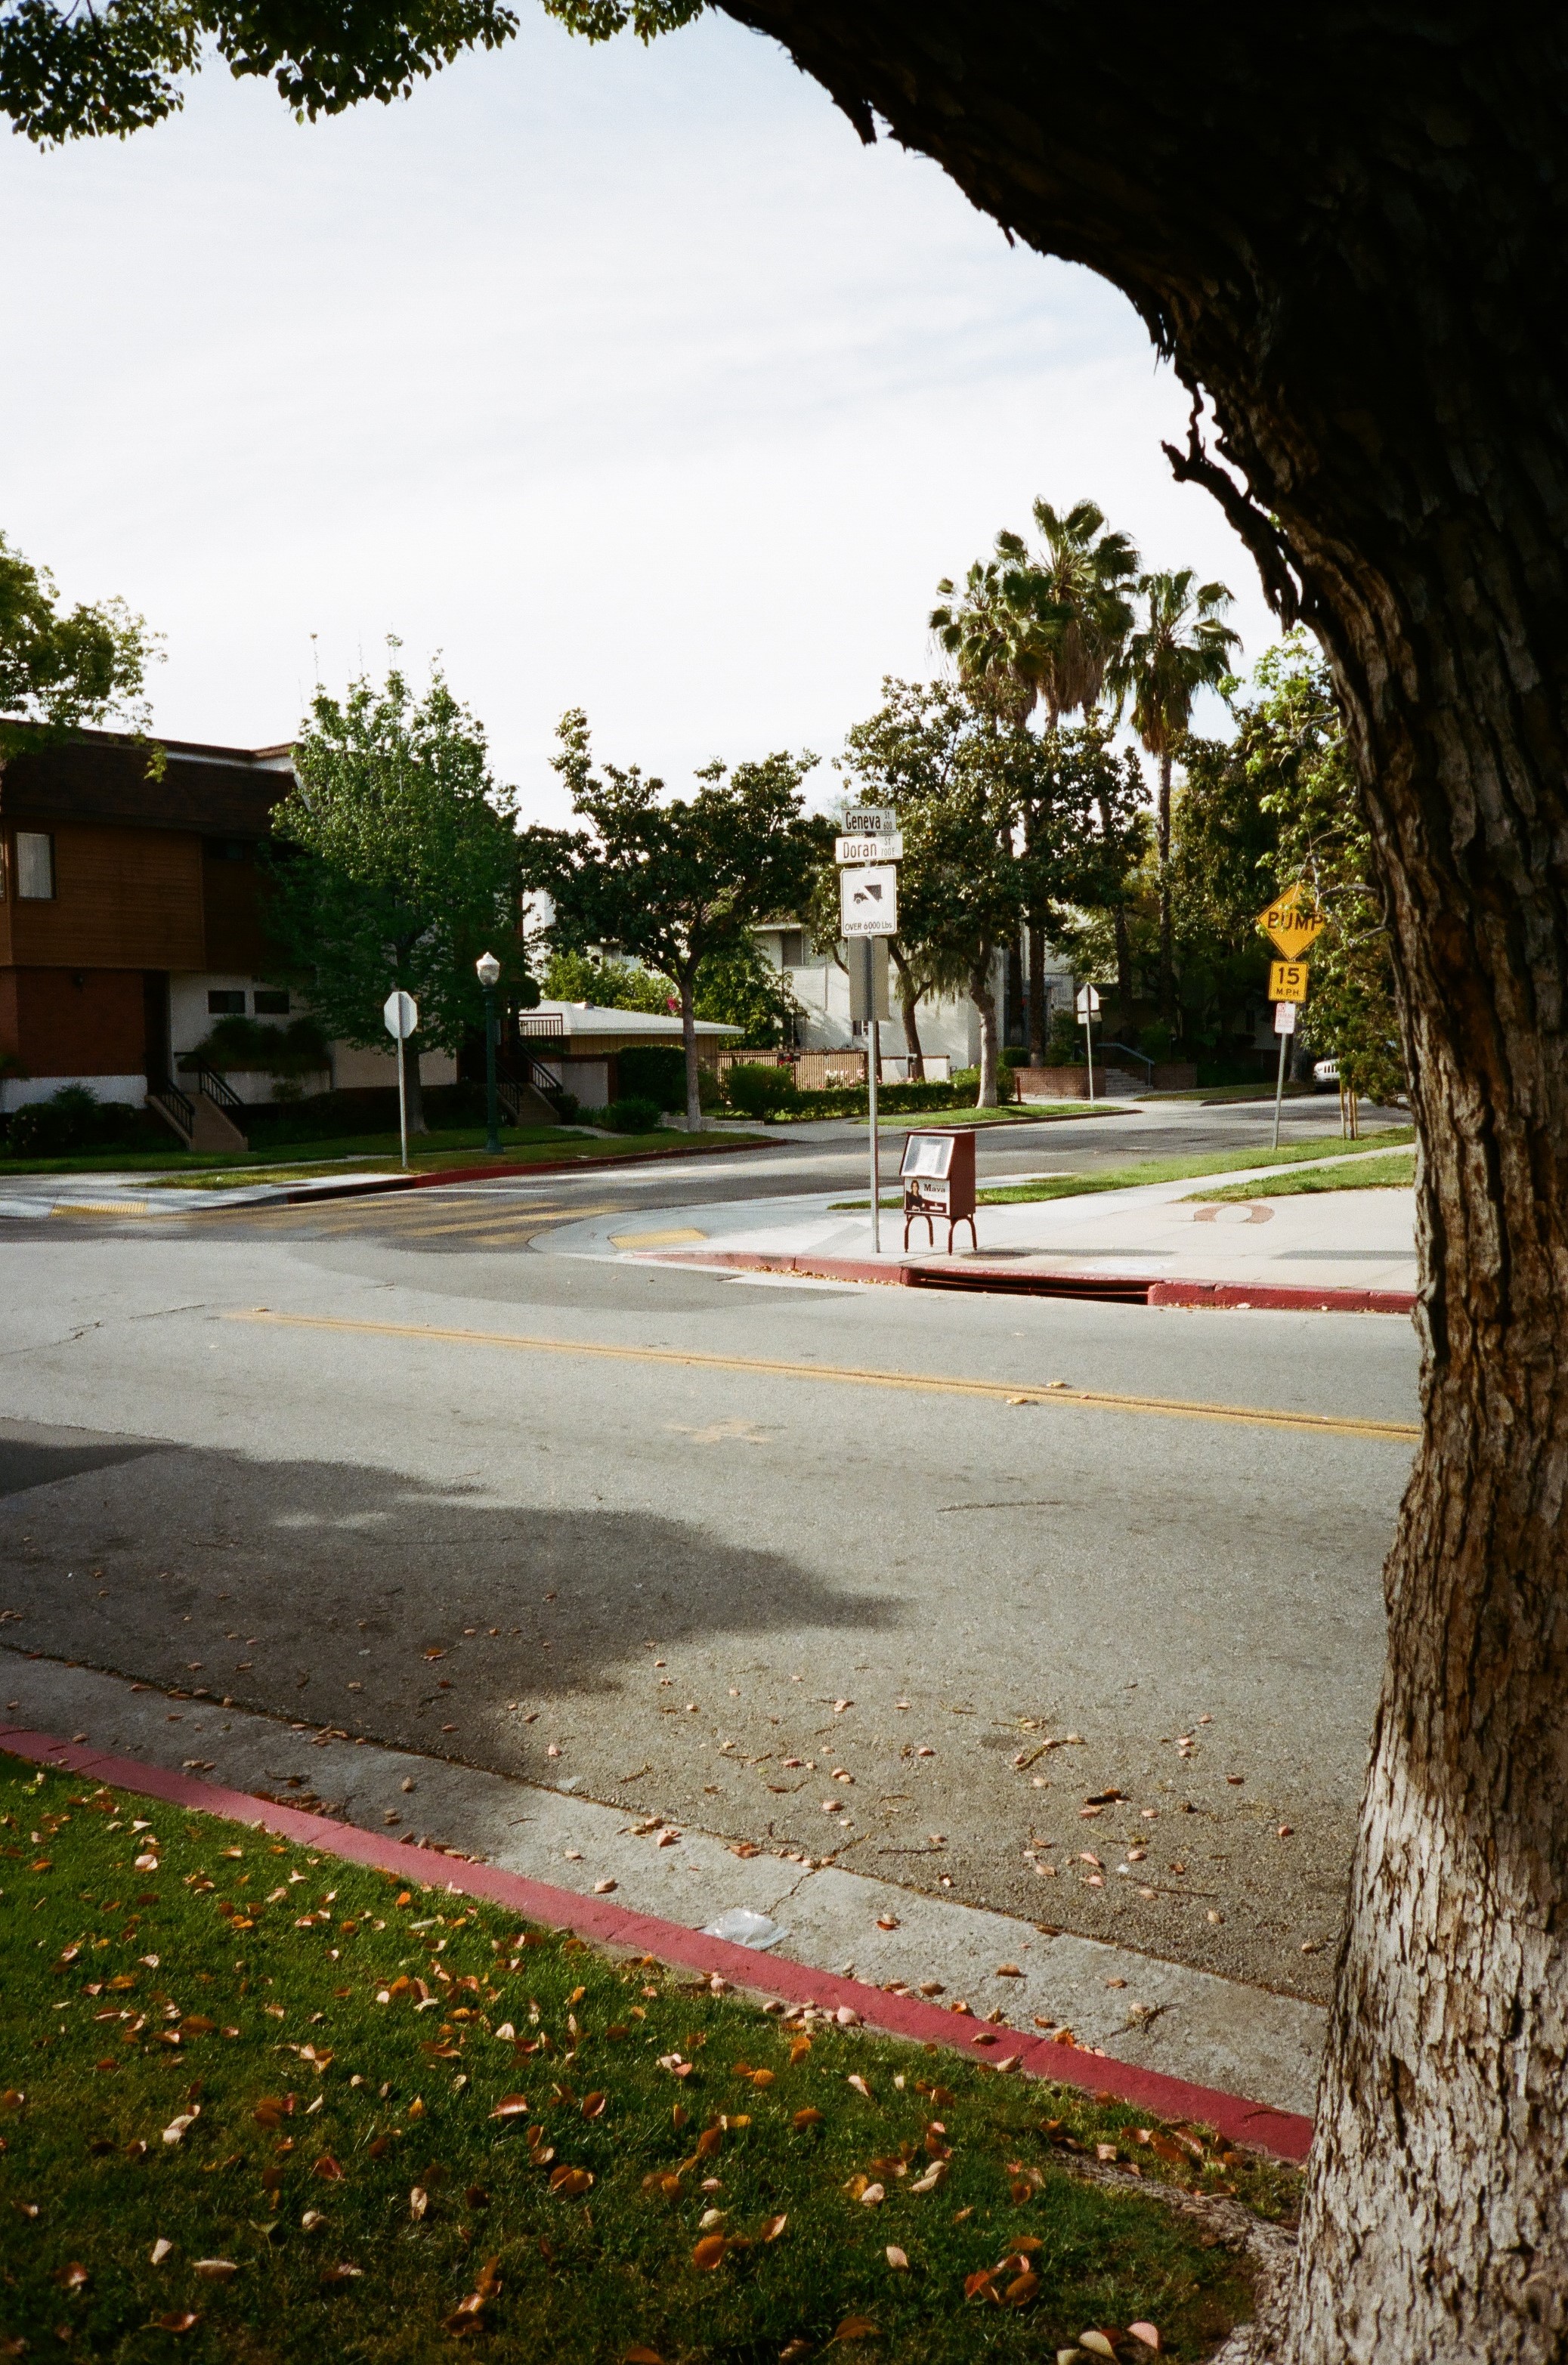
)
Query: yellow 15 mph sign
[{"x": 1292, "y": 924}]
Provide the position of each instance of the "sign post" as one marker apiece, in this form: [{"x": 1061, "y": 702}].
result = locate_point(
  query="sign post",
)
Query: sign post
[
  {"x": 868, "y": 855},
  {"x": 401, "y": 1012},
  {"x": 1088, "y": 1006},
  {"x": 1292, "y": 924},
  {"x": 1284, "y": 1028}
]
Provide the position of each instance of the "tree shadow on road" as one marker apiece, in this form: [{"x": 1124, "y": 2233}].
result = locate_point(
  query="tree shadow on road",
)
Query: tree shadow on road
[{"x": 374, "y": 1600}]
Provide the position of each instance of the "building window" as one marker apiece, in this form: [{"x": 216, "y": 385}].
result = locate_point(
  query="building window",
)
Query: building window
[
  {"x": 35, "y": 866},
  {"x": 791, "y": 948},
  {"x": 222, "y": 1004},
  {"x": 270, "y": 1001}
]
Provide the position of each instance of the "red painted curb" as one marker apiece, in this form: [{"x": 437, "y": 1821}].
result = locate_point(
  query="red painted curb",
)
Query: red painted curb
[
  {"x": 1114, "y": 1288},
  {"x": 1285, "y": 1295},
  {"x": 1284, "y": 2134}
]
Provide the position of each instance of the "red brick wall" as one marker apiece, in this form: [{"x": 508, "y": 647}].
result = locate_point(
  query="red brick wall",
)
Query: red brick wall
[{"x": 57, "y": 1027}]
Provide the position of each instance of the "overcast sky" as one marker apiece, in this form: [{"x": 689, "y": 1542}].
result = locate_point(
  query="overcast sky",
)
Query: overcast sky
[{"x": 625, "y": 379}]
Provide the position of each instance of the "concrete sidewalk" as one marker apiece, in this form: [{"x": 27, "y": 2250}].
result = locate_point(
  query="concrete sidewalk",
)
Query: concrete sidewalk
[
  {"x": 1159, "y": 1231},
  {"x": 1135, "y": 2008}
]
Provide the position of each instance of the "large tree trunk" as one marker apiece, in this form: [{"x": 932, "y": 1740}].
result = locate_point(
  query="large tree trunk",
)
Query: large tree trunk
[
  {"x": 1123, "y": 941},
  {"x": 1163, "y": 846},
  {"x": 413, "y": 1088},
  {"x": 1349, "y": 229},
  {"x": 909, "y": 1012},
  {"x": 687, "y": 983},
  {"x": 983, "y": 993},
  {"x": 1036, "y": 1025}
]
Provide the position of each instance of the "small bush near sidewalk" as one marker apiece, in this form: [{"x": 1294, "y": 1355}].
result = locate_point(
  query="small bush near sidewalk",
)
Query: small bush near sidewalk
[{"x": 261, "y": 2104}]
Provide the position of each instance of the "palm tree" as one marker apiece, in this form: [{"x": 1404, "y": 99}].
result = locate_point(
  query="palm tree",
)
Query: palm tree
[
  {"x": 985, "y": 634},
  {"x": 1183, "y": 646},
  {"x": 1075, "y": 598}
]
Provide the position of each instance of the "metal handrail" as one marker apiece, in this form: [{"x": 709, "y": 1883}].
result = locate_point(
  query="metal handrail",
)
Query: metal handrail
[
  {"x": 1128, "y": 1048},
  {"x": 179, "y": 1105},
  {"x": 217, "y": 1088}
]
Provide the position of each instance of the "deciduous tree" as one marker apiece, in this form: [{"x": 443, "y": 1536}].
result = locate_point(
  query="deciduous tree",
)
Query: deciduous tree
[
  {"x": 61, "y": 668},
  {"x": 396, "y": 866},
  {"x": 673, "y": 880}
]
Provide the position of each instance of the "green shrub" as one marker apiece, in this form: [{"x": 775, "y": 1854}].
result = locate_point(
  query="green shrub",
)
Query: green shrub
[
  {"x": 632, "y": 1115},
  {"x": 74, "y": 1119},
  {"x": 757, "y": 1090},
  {"x": 654, "y": 1071}
]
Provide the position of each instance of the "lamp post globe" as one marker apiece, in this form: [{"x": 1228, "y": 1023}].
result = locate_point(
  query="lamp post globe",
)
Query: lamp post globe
[{"x": 488, "y": 970}]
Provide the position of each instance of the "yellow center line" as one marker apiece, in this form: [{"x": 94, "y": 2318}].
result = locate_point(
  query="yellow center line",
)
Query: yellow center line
[{"x": 924, "y": 1383}]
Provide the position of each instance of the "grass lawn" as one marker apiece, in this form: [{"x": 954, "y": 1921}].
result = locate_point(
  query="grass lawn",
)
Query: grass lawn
[
  {"x": 1394, "y": 1173},
  {"x": 1176, "y": 1170},
  {"x": 300, "y": 1160},
  {"x": 261, "y": 2104}
]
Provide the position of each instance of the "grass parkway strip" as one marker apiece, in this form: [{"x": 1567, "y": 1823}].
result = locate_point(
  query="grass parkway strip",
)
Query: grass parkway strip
[
  {"x": 1011, "y": 1392},
  {"x": 233, "y": 2127}
]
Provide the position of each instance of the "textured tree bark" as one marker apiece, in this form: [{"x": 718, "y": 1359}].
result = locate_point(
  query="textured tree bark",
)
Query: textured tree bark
[
  {"x": 1124, "y": 944},
  {"x": 909, "y": 1012},
  {"x": 414, "y": 1091},
  {"x": 1349, "y": 227},
  {"x": 688, "y": 984},
  {"x": 1037, "y": 1006},
  {"x": 1162, "y": 846},
  {"x": 983, "y": 993}
]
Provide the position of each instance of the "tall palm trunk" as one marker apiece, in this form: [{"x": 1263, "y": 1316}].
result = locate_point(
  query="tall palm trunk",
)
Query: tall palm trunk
[
  {"x": 983, "y": 993},
  {"x": 1162, "y": 840},
  {"x": 1124, "y": 942}
]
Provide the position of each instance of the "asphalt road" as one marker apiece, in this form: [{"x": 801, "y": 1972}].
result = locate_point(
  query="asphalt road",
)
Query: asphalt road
[{"x": 632, "y": 1557}]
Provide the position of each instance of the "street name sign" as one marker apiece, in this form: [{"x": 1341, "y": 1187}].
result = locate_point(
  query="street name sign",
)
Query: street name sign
[
  {"x": 1287, "y": 981},
  {"x": 868, "y": 901},
  {"x": 870, "y": 821},
  {"x": 886, "y": 848},
  {"x": 1292, "y": 922}
]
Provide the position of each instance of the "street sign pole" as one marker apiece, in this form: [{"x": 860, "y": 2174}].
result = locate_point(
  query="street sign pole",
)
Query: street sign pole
[
  {"x": 400, "y": 1014},
  {"x": 873, "y": 1073},
  {"x": 1284, "y": 1028},
  {"x": 868, "y": 909},
  {"x": 1088, "y": 1011}
]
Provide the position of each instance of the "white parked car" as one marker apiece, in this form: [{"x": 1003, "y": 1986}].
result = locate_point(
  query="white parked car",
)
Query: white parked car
[{"x": 1325, "y": 1075}]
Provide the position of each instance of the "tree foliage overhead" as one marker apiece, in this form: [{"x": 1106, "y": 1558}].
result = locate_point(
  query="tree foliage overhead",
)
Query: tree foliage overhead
[
  {"x": 62, "y": 669},
  {"x": 73, "y": 72}
]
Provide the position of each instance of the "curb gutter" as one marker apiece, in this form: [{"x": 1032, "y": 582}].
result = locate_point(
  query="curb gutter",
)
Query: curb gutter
[
  {"x": 1284, "y": 2134},
  {"x": 1009, "y": 1279}
]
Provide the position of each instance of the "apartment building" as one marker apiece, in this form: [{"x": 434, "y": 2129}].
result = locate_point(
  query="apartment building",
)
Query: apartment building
[{"x": 131, "y": 917}]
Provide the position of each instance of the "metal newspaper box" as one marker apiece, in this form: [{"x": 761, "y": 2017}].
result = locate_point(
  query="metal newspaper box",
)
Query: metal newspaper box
[{"x": 938, "y": 1177}]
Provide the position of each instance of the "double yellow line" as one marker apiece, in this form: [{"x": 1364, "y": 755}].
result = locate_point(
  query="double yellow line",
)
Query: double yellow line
[{"x": 1011, "y": 1392}]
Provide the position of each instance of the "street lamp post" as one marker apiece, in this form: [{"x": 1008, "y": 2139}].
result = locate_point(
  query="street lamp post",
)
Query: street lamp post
[{"x": 489, "y": 972}]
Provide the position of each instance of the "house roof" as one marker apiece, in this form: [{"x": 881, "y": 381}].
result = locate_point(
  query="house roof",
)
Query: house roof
[
  {"x": 101, "y": 775},
  {"x": 578, "y": 1018}
]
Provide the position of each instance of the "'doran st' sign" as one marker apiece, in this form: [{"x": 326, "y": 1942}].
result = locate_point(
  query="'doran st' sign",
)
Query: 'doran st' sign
[{"x": 1292, "y": 922}]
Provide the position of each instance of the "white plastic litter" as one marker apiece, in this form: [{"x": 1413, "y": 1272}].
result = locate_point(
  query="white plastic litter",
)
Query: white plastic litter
[{"x": 742, "y": 1927}]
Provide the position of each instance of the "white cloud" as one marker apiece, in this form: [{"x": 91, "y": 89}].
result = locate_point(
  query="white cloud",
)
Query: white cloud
[{"x": 628, "y": 379}]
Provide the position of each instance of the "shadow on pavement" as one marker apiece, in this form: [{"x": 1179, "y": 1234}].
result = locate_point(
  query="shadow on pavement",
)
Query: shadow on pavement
[{"x": 369, "y": 1599}]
